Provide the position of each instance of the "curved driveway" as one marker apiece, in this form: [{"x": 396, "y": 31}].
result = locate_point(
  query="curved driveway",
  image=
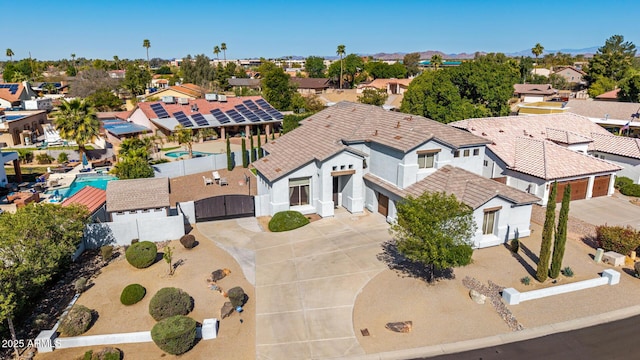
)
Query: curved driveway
[{"x": 306, "y": 280}]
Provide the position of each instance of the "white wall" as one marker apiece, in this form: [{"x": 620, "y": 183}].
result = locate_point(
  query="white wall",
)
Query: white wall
[
  {"x": 508, "y": 221},
  {"x": 352, "y": 185},
  {"x": 138, "y": 117},
  {"x": 121, "y": 233},
  {"x": 195, "y": 165},
  {"x": 127, "y": 216},
  {"x": 279, "y": 194},
  {"x": 383, "y": 161},
  {"x": 630, "y": 167}
]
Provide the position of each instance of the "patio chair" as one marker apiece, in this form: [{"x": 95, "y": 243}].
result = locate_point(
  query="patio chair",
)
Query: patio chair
[
  {"x": 216, "y": 176},
  {"x": 223, "y": 181},
  {"x": 207, "y": 181}
]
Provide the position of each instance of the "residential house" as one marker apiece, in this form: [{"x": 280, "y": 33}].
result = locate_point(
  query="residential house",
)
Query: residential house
[
  {"x": 529, "y": 93},
  {"x": 360, "y": 156},
  {"x": 244, "y": 83},
  {"x": 391, "y": 86},
  {"x": 185, "y": 91},
  {"x": 93, "y": 199},
  {"x": 13, "y": 94},
  {"x": 611, "y": 115},
  {"x": 226, "y": 115},
  {"x": 571, "y": 74},
  {"x": 609, "y": 95},
  {"x": 541, "y": 71},
  {"x": 307, "y": 86},
  {"x": 531, "y": 152},
  {"x": 117, "y": 74},
  {"x": 21, "y": 127}
]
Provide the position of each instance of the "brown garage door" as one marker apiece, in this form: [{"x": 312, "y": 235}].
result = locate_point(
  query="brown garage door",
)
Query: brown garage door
[
  {"x": 383, "y": 205},
  {"x": 578, "y": 189},
  {"x": 601, "y": 186}
]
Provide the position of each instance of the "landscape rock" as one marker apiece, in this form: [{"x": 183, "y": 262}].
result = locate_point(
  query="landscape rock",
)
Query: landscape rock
[
  {"x": 219, "y": 274},
  {"x": 227, "y": 310},
  {"x": 477, "y": 297},
  {"x": 401, "y": 327}
]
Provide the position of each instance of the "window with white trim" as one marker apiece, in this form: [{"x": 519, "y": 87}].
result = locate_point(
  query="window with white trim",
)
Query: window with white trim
[
  {"x": 299, "y": 191},
  {"x": 426, "y": 161}
]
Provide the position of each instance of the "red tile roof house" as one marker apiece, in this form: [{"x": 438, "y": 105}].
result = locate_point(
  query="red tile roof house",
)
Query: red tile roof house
[
  {"x": 93, "y": 198},
  {"x": 531, "y": 152},
  {"x": 360, "y": 156},
  {"x": 533, "y": 92}
]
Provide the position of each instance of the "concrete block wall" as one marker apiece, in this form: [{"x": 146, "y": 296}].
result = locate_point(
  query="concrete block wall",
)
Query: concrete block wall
[{"x": 196, "y": 165}]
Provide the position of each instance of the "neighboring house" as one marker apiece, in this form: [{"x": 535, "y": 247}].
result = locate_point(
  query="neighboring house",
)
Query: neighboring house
[
  {"x": 93, "y": 199},
  {"x": 611, "y": 115},
  {"x": 391, "y": 86},
  {"x": 240, "y": 83},
  {"x": 117, "y": 74},
  {"x": 360, "y": 156},
  {"x": 531, "y": 152},
  {"x": 609, "y": 96},
  {"x": 13, "y": 94},
  {"x": 226, "y": 115},
  {"x": 116, "y": 130},
  {"x": 185, "y": 91},
  {"x": 21, "y": 127},
  {"x": 307, "y": 86},
  {"x": 541, "y": 71},
  {"x": 50, "y": 87},
  {"x": 571, "y": 74},
  {"x": 533, "y": 92}
]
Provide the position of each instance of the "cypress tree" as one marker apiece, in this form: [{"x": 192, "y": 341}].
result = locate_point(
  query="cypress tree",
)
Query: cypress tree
[
  {"x": 229, "y": 159},
  {"x": 253, "y": 154},
  {"x": 561, "y": 234},
  {"x": 259, "y": 145},
  {"x": 547, "y": 236},
  {"x": 245, "y": 161},
  {"x": 273, "y": 135},
  {"x": 266, "y": 138}
]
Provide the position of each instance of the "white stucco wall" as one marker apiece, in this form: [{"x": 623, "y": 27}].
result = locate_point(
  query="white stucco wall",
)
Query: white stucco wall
[
  {"x": 139, "y": 214},
  {"x": 508, "y": 220},
  {"x": 138, "y": 117},
  {"x": 630, "y": 167},
  {"x": 351, "y": 186},
  {"x": 384, "y": 161},
  {"x": 279, "y": 192}
]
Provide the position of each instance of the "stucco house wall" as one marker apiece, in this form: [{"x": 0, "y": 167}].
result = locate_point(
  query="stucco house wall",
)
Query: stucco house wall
[{"x": 630, "y": 166}]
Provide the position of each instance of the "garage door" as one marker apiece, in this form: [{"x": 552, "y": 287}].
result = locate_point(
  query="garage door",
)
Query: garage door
[
  {"x": 601, "y": 186},
  {"x": 578, "y": 189},
  {"x": 383, "y": 205}
]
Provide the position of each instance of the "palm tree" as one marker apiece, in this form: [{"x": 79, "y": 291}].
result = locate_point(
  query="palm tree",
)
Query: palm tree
[
  {"x": 76, "y": 120},
  {"x": 184, "y": 136},
  {"x": 537, "y": 50},
  {"x": 223, "y": 47},
  {"x": 116, "y": 60},
  {"x": 436, "y": 61},
  {"x": 216, "y": 51},
  {"x": 73, "y": 60},
  {"x": 340, "y": 52},
  {"x": 147, "y": 44},
  {"x": 10, "y": 54}
]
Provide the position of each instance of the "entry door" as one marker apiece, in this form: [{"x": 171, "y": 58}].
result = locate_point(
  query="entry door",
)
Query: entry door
[
  {"x": 383, "y": 205},
  {"x": 335, "y": 191}
]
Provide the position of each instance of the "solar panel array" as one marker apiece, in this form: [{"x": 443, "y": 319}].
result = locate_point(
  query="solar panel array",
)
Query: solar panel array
[
  {"x": 220, "y": 116},
  {"x": 183, "y": 119},
  {"x": 247, "y": 113},
  {"x": 13, "y": 88},
  {"x": 235, "y": 116},
  {"x": 250, "y": 104},
  {"x": 160, "y": 112},
  {"x": 199, "y": 119}
]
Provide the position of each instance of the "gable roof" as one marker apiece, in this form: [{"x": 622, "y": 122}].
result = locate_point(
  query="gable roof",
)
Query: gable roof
[
  {"x": 244, "y": 82},
  {"x": 89, "y": 196},
  {"x": 191, "y": 90},
  {"x": 13, "y": 94},
  {"x": 331, "y": 130},
  {"x": 611, "y": 110},
  {"x": 534, "y": 89},
  {"x": 382, "y": 83},
  {"x": 609, "y": 95},
  {"x": 617, "y": 145},
  {"x": 527, "y": 143},
  {"x": 310, "y": 83},
  {"x": 471, "y": 189},
  {"x": 137, "y": 194},
  {"x": 564, "y": 68}
]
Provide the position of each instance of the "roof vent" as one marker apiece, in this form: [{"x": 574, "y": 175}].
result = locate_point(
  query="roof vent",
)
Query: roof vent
[
  {"x": 376, "y": 133},
  {"x": 211, "y": 97},
  {"x": 222, "y": 98},
  {"x": 484, "y": 134},
  {"x": 194, "y": 107},
  {"x": 328, "y": 116},
  {"x": 183, "y": 101},
  {"x": 473, "y": 129},
  {"x": 501, "y": 130},
  {"x": 398, "y": 124}
]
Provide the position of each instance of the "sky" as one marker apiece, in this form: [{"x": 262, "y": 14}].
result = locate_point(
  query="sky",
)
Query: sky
[{"x": 52, "y": 30}]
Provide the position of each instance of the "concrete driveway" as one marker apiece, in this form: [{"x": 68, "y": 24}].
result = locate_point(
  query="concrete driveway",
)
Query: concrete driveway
[
  {"x": 610, "y": 210},
  {"x": 306, "y": 280}
]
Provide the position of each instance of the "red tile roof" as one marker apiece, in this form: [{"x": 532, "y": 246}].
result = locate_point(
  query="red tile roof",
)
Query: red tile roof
[
  {"x": 8, "y": 96},
  {"x": 204, "y": 106},
  {"x": 91, "y": 197},
  {"x": 609, "y": 95}
]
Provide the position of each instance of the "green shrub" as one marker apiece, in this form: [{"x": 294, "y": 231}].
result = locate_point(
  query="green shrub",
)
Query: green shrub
[
  {"x": 44, "y": 158},
  {"x": 188, "y": 241},
  {"x": 174, "y": 335},
  {"x": 63, "y": 157},
  {"x": 106, "y": 252},
  {"x": 515, "y": 245},
  {"x": 287, "y": 220},
  {"x": 526, "y": 280},
  {"x": 107, "y": 353},
  {"x": 620, "y": 239},
  {"x": 631, "y": 190},
  {"x": 567, "y": 271},
  {"x": 132, "y": 294},
  {"x": 622, "y": 181},
  {"x": 169, "y": 302},
  {"x": 80, "y": 285},
  {"x": 236, "y": 296},
  {"x": 77, "y": 321},
  {"x": 142, "y": 254}
]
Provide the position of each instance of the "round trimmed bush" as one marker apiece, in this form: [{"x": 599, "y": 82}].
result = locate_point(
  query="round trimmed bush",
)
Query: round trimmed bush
[
  {"x": 169, "y": 302},
  {"x": 622, "y": 181},
  {"x": 77, "y": 321},
  {"x": 132, "y": 294},
  {"x": 287, "y": 220},
  {"x": 188, "y": 241},
  {"x": 175, "y": 335},
  {"x": 142, "y": 254}
]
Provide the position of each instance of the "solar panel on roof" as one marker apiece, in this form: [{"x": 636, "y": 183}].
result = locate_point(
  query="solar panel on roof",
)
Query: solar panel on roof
[
  {"x": 220, "y": 116},
  {"x": 235, "y": 116},
  {"x": 250, "y": 104},
  {"x": 199, "y": 119},
  {"x": 248, "y": 114},
  {"x": 160, "y": 112},
  {"x": 183, "y": 119},
  {"x": 263, "y": 115},
  {"x": 262, "y": 103},
  {"x": 275, "y": 113}
]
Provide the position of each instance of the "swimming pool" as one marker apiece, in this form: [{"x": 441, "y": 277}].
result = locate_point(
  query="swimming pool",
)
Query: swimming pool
[
  {"x": 177, "y": 154},
  {"x": 96, "y": 180}
]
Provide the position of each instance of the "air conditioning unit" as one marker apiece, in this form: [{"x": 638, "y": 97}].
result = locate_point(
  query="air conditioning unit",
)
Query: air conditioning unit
[
  {"x": 211, "y": 97},
  {"x": 222, "y": 98},
  {"x": 168, "y": 99},
  {"x": 183, "y": 101}
]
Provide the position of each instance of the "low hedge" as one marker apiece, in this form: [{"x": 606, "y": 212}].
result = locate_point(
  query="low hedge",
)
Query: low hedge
[
  {"x": 141, "y": 254},
  {"x": 107, "y": 353},
  {"x": 620, "y": 239},
  {"x": 622, "y": 181},
  {"x": 77, "y": 321},
  {"x": 287, "y": 220},
  {"x": 131, "y": 294},
  {"x": 169, "y": 302},
  {"x": 175, "y": 335},
  {"x": 630, "y": 190}
]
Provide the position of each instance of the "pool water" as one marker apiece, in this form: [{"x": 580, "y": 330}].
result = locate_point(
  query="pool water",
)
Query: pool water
[
  {"x": 97, "y": 181},
  {"x": 177, "y": 154}
]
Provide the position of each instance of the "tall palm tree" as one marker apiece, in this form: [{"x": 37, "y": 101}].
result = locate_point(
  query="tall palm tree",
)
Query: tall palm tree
[
  {"x": 73, "y": 60},
  {"x": 537, "y": 50},
  {"x": 116, "y": 60},
  {"x": 76, "y": 120},
  {"x": 216, "y": 51},
  {"x": 10, "y": 54},
  {"x": 223, "y": 47},
  {"x": 436, "y": 61},
  {"x": 340, "y": 52},
  {"x": 147, "y": 44}
]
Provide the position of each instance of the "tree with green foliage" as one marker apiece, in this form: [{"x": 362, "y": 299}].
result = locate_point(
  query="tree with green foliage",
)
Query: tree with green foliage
[
  {"x": 411, "y": 62},
  {"x": 630, "y": 89},
  {"x": 229, "y": 155},
  {"x": 434, "y": 229},
  {"x": 10, "y": 54},
  {"x": 185, "y": 136},
  {"x": 340, "y": 51},
  {"x": 612, "y": 60},
  {"x": 223, "y": 47},
  {"x": 276, "y": 88},
  {"x": 216, "y": 52},
  {"x": 537, "y": 51},
  {"x": 436, "y": 61},
  {"x": 168, "y": 258},
  {"x": 245, "y": 160},
  {"x": 259, "y": 150},
  {"x": 251, "y": 151},
  {"x": 147, "y": 44},
  {"x": 133, "y": 159},
  {"x": 382, "y": 70},
  {"x": 163, "y": 70},
  {"x": 525, "y": 66},
  {"x": 349, "y": 68},
  {"x": 315, "y": 67},
  {"x": 601, "y": 86},
  {"x": 199, "y": 72},
  {"x": 76, "y": 120},
  {"x": 105, "y": 100},
  {"x": 560, "y": 240},
  {"x": 291, "y": 121},
  {"x": 542, "y": 271},
  {"x": 373, "y": 97},
  {"x": 136, "y": 79}
]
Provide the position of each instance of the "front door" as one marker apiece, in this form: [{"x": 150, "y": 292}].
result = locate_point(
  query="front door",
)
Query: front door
[{"x": 383, "y": 205}]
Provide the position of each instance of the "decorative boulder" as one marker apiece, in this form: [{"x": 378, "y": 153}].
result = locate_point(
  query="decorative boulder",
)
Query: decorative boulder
[
  {"x": 401, "y": 327},
  {"x": 477, "y": 297},
  {"x": 227, "y": 310},
  {"x": 219, "y": 274}
]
